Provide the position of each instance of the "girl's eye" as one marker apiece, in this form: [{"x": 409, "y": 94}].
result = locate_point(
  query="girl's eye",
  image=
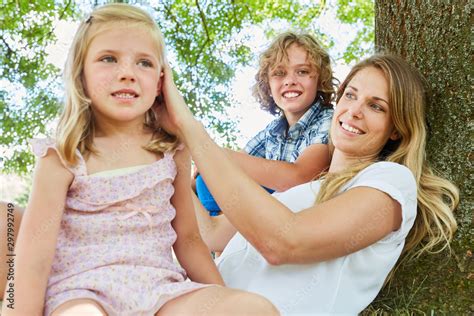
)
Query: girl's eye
[
  {"x": 145, "y": 63},
  {"x": 108, "y": 59}
]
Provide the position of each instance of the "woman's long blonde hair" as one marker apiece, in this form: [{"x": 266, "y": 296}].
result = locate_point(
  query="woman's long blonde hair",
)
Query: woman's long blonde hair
[
  {"x": 278, "y": 52},
  {"x": 76, "y": 124},
  {"x": 435, "y": 225}
]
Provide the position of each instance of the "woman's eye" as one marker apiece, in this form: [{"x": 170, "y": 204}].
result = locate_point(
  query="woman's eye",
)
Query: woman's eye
[
  {"x": 376, "y": 107},
  {"x": 349, "y": 95},
  {"x": 145, "y": 63},
  {"x": 108, "y": 59}
]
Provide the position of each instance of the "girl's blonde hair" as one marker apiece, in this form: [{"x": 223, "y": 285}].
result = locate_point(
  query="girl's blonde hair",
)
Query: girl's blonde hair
[
  {"x": 435, "y": 224},
  {"x": 76, "y": 124},
  {"x": 278, "y": 52}
]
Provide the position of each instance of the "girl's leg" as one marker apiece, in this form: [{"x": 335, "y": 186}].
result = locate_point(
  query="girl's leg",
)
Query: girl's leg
[
  {"x": 79, "y": 307},
  {"x": 10, "y": 219},
  {"x": 217, "y": 301}
]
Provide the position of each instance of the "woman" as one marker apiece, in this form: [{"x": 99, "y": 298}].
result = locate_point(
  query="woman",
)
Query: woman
[{"x": 379, "y": 198}]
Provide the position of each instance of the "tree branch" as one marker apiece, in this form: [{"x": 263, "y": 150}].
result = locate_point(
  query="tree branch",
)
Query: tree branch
[{"x": 204, "y": 24}]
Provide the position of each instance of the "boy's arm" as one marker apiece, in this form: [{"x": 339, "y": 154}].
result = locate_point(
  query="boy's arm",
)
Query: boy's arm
[
  {"x": 37, "y": 238},
  {"x": 216, "y": 231},
  {"x": 192, "y": 253},
  {"x": 282, "y": 175}
]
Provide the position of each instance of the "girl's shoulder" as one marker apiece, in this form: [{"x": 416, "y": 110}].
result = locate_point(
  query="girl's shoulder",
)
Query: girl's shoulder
[{"x": 43, "y": 147}]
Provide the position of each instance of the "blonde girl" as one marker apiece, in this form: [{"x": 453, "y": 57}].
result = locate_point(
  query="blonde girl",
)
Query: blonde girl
[
  {"x": 111, "y": 194},
  {"x": 328, "y": 246}
]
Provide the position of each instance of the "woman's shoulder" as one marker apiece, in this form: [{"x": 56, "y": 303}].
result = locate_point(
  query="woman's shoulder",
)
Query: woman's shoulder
[
  {"x": 388, "y": 177},
  {"x": 388, "y": 167}
]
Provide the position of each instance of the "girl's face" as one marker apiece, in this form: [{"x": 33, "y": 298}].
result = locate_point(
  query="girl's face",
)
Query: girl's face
[
  {"x": 362, "y": 123},
  {"x": 294, "y": 84},
  {"x": 122, "y": 74}
]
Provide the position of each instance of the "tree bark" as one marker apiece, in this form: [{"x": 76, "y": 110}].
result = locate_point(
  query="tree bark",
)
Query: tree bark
[{"x": 435, "y": 37}]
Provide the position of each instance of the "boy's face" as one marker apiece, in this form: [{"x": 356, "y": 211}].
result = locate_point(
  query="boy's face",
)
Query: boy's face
[{"x": 294, "y": 84}]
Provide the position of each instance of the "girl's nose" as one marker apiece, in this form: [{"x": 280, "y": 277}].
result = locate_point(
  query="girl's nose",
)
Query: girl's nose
[{"x": 126, "y": 72}]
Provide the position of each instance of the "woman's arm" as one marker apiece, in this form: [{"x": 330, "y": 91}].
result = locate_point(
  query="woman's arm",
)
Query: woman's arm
[
  {"x": 192, "y": 253},
  {"x": 282, "y": 175},
  {"x": 281, "y": 236},
  {"x": 36, "y": 241}
]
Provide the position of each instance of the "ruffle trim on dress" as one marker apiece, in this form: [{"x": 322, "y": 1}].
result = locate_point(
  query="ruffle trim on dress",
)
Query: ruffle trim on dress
[
  {"x": 40, "y": 146},
  {"x": 97, "y": 193}
]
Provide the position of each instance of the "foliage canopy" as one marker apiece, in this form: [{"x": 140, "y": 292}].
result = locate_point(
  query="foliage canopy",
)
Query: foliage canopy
[{"x": 207, "y": 41}]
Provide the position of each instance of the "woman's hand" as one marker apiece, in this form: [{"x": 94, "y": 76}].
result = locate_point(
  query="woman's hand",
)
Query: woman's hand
[{"x": 173, "y": 114}]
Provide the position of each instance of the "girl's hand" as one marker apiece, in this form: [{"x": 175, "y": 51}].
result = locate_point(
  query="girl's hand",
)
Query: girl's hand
[{"x": 173, "y": 115}]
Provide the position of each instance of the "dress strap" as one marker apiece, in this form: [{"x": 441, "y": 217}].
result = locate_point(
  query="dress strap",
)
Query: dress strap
[
  {"x": 40, "y": 147},
  {"x": 171, "y": 153}
]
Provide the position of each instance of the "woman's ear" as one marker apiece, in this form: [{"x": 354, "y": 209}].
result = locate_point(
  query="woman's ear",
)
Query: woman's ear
[{"x": 394, "y": 135}]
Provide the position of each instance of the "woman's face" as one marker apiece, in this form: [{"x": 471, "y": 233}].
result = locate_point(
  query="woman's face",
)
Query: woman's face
[{"x": 362, "y": 123}]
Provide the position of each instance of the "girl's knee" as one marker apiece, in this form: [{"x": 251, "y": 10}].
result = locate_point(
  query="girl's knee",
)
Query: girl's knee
[
  {"x": 255, "y": 304},
  {"x": 79, "y": 307}
]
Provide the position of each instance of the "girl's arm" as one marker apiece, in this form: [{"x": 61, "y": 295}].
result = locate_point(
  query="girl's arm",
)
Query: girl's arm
[
  {"x": 192, "y": 253},
  {"x": 36, "y": 241},
  {"x": 321, "y": 232},
  {"x": 282, "y": 175}
]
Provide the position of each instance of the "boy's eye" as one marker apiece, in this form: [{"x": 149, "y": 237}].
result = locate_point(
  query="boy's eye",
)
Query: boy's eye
[
  {"x": 278, "y": 73},
  {"x": 108, "y": 59},
  {"x": 145, "y": 63},
  {"x": 303, "y": 72}
]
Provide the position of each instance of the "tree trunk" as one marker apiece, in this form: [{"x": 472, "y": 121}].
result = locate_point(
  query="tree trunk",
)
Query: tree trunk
[{"x": 435, "y": 36}]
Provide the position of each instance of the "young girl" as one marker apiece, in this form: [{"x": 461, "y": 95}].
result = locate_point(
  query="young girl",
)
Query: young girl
[
  {"x": 111, "y": 195},
  {"x": 332, "y": 252},
  {"x": 295, "y": 82}
]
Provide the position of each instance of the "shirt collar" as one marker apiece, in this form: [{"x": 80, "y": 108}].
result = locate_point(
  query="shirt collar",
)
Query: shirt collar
[{"x": 280, "y": 126}]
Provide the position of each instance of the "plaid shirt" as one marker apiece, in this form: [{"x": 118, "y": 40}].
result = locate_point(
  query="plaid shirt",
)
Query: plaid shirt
[{"x": 276, "y": 143}]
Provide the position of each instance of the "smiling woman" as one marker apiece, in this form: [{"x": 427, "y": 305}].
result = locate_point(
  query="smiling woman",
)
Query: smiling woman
[
  {"x": 378, "y": 200},
  {"x": 363, "y": 121}
]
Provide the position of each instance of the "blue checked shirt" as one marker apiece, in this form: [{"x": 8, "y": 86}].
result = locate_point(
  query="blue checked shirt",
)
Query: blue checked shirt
[{"x": 275, "y": 143}]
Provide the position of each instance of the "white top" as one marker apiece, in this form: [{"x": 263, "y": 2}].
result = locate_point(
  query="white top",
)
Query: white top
[
  {"x": 345, "y": 285},
  {"x": 117, "y": 172}
]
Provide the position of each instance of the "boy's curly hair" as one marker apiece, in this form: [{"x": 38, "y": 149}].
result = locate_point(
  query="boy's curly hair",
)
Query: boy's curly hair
[{"x": 277, "y": 53}]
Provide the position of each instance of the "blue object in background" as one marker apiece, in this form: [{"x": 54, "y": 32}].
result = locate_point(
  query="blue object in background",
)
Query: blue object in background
[{"x": 206, "y": 198}]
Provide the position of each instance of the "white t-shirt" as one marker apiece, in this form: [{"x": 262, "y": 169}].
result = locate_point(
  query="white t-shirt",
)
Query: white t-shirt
[{"x": 345, "y": 285}]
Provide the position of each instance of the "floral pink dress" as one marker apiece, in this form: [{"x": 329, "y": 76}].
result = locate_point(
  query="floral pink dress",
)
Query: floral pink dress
[{"x": 114, "y": 244}]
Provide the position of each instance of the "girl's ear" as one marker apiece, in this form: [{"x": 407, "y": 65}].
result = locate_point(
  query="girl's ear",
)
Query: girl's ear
[{"x": 160, "y": 84}]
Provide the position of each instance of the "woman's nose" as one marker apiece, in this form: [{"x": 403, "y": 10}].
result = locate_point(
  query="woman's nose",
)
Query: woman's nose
[{"x": 355, "y": 109}]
